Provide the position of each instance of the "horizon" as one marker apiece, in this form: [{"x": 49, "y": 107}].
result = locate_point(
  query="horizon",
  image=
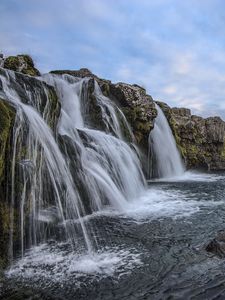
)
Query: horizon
[{"x": 175, "y": 50}]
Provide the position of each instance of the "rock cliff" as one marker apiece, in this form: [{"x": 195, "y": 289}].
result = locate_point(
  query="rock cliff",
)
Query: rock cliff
[{"x": 200, "y": 141}]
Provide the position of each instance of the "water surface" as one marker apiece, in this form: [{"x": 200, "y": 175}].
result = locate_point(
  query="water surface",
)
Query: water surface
[{"x": 153, "y": 249}]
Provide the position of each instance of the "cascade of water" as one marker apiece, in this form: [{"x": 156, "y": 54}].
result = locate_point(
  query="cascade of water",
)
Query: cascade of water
[
  {"x": 111, "y": 114},
  {"x": 165, "y": 159},
  {"x": 43, "y": 153},
  {"x": 54, "y": 172},
  {"x": 111, "y": 171}
]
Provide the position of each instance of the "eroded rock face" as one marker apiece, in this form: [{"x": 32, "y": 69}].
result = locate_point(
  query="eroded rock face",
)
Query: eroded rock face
[
  {"x": 200, "y": 141},
  {"x": 20, "y": 63},
  {"x": 138, "y": 108}
]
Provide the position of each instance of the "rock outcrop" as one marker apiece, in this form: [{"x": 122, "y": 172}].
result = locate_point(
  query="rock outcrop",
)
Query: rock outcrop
[
  {"x": 21, "y": 63},
  {"x": 200, "y": 141},
  {"x": 138, "y": 108},
  {"x": 7, "y": 118}
]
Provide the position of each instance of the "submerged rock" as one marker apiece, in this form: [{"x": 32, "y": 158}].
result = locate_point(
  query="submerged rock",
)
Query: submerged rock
[
  {"x": 7, "y": 118},
  {"x": 217, "y": 245}
]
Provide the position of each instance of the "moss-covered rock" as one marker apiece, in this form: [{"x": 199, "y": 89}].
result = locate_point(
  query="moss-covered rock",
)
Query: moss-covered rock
[
  {"x": 21, "y": 63},
  {"x": 138, "y": 108},
  {"x": 200, "y": 141},
  {"x": 7, "y": 118}
]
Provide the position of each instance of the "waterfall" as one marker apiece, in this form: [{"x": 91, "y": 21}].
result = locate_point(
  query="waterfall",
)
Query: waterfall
[
  {"x": 61, "y": 174},
  {"x": 165, "y": 159},
  {"x": 45, "y": 158},
  {"x": 111, "y": 171}
]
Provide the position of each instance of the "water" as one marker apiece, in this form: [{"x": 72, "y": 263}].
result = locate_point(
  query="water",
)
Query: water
[
  {"x": 95, "y": 230},
  {"x": 155, "y": 250},
  {"x": 71, "y": 173},
  {"x": 111, "y": 171},
  {"x": 49, "y": 161},
  {"x": 165, "y": 159}
]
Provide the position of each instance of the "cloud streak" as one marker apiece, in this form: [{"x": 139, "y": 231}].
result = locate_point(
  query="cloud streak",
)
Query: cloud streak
[{"x": 176, "y": 49}]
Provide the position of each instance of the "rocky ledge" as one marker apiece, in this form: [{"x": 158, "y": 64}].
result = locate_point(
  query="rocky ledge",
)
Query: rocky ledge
[{"x": 200, "y": 141}]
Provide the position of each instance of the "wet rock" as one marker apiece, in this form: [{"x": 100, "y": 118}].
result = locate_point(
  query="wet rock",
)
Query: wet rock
[
  {"x": 138, "y": 108},
  {"x": 217, "y": 245}
]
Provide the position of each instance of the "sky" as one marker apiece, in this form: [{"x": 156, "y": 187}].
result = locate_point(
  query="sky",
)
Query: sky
[{"x": 173, "y": 48}]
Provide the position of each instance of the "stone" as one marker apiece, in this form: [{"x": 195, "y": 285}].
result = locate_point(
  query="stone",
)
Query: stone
[{"x": 217, "y": 245}]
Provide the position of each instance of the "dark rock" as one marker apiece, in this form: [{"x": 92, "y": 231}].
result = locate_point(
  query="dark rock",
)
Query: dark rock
[
  {"x": 83, "y": 72},
  {"x": 217, "y": 245},
  {"x": 138, "y": 108}
]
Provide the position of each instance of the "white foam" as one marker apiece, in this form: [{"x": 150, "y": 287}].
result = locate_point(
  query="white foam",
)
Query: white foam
[
  {"x": 156, "y": 203},
  {"x": 57, "y": 265},
  {"x": 191, "y": 176}
]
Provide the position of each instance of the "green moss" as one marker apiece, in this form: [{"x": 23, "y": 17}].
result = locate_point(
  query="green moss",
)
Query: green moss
[
  {"x": 143, "y": 126},
  {"x": 12, "y": 63},
  {"x": 21, "y": 63},
  {"x": 7, "y": 115},
  {"x": 223, "y": 151},
  {"x": 4, "y": 236},
  {"x": 54, "y": 108},
  {"x": 105, "y": 89}
]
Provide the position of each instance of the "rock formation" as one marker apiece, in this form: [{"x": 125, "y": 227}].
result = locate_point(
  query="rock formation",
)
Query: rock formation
[
  {"x": 201, "y": 141},
  {"x": 20, "y": 63}
]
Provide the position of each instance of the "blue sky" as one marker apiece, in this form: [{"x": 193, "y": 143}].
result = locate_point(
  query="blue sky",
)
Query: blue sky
[{"x": 174, "y": 48}]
